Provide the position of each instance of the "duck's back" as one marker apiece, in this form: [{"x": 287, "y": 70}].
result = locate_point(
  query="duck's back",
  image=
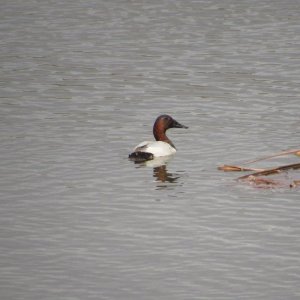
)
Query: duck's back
[{"x": 157, "y": 148}]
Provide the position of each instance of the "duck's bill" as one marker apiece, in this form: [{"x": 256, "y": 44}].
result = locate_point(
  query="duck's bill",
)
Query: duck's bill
[{"x": 178, "y": 125}]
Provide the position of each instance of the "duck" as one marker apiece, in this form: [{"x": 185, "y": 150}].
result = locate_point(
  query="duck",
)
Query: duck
[{"x": 162, "y": 146}]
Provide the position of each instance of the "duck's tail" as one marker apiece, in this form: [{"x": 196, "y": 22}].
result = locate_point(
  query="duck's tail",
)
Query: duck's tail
[{"x": 139, "y": 156}]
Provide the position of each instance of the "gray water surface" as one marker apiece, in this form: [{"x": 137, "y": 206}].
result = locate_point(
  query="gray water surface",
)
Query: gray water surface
[{"x": 81, "y": 84}]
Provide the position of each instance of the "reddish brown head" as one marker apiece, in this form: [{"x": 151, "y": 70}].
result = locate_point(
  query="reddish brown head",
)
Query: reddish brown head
[{"x": 162, "y": 124}]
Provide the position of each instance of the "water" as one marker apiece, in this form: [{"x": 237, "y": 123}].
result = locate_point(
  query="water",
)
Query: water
[{"x": 81, "y": 84}]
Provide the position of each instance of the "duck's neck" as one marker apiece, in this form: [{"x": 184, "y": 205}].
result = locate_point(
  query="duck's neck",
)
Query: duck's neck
[{"x": 161, "y": 136}]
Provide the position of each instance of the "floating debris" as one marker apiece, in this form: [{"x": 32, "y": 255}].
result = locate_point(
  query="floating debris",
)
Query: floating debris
[{"x": 258, "y": 177}]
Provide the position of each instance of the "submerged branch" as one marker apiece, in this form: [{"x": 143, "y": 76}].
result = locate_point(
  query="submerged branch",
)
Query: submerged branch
[
  {"x": 232, "y": 168},
  {"x": 271, "y": 171}
]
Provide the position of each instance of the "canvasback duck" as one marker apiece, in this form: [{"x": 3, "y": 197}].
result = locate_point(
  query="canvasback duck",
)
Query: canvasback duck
[{"x": 162, "y": 146}]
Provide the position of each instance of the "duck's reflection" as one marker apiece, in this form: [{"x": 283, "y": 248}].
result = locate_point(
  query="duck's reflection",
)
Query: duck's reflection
[
  {"x": 162, "y": 175},
  {"x": 160, "y": 171}
]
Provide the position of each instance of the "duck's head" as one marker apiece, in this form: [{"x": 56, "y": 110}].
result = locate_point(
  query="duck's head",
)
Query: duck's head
[{"x": 164, "y": 122}]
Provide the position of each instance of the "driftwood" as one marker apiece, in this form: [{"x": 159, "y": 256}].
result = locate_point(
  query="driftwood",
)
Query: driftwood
[
  {"x": 258, "y": 177},
  {"x": 232, "y": 168}
]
